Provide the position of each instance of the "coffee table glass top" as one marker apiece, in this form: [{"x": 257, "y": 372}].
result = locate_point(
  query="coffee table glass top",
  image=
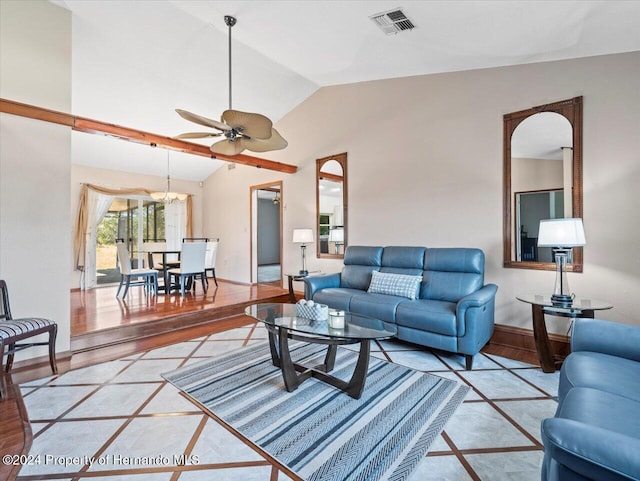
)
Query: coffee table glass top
[
  {"x": 356, "y": 326},
  {"x": 578, "y": 304}
]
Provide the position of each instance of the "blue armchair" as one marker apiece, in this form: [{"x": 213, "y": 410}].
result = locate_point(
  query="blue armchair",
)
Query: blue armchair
[{"x": 595, "y": 434}]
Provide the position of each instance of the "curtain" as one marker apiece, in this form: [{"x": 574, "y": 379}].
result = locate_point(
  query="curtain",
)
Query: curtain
[
  {"x": 175, "y": 224},
  {"x": 83, "y": 227},
  {"x": 97, "y": 207}
]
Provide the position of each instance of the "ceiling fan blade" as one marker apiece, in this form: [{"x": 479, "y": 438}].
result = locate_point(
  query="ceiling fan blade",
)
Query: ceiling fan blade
[
  {"x": 199, "y": 119},
  {"x": 256, "y": 126},
  {"x": 228, "y": 147},
  {"x": 197, "y": 135},
  {"x": 276, "y": 142}
]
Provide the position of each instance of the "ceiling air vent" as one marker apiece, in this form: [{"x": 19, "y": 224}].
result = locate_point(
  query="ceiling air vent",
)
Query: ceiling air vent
[{"x": 392, "y": 21}]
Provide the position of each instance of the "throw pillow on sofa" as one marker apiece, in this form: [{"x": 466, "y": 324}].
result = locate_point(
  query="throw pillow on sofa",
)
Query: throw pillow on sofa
[{"x": 402, "y": 285}]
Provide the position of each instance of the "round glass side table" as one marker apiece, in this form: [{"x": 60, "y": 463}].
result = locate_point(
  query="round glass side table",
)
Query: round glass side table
[
  {"x": 541, "y": 305},
  {"x": 297, "y": 277}
]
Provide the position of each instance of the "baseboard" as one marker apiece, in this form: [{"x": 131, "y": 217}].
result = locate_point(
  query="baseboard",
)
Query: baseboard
[{"x": 522, "y": 339}]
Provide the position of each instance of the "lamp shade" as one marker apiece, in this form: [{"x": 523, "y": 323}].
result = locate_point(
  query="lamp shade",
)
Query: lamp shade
[
  {"x": 338, "y": 216},
  {"x": 561, "y": 233},
  {"x": 303, "y": 236},
  {"x": 336, "y": 235}
]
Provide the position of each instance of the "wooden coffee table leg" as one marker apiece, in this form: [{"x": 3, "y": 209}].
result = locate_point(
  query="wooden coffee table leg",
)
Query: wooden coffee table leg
[
  {"x": 291, "y": 380},
  {"x": 356, "y": 384},
  {"x": 275, "y": 358},
  {"x": 330, "y": 358},
  {"x": 545, "y": 355}
]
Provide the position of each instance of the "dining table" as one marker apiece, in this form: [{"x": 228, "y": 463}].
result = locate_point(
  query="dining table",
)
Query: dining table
[{"x": 166, "y": 265}]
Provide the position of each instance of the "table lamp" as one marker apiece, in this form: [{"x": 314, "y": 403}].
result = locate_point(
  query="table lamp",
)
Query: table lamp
[
  {"x": 303, "y": 237},
  {"x": 337, "y": 237},
  {"x": 562, "y": 235}
]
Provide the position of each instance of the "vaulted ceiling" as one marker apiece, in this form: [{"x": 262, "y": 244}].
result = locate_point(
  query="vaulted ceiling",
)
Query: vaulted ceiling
[{"x": 135, "y": 61}]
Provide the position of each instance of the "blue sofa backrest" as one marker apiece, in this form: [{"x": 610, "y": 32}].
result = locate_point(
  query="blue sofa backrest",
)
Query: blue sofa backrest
[
  {"x": 448, "y": 274},
  {"x": 359, "y": 262},
  {"x": 451, "y": 273}
]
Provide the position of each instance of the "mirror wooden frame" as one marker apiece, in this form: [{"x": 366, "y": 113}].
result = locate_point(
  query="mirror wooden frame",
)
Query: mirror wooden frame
[
  {"x": 342, "y": 160},
  {"x": 571, "y": 109}
]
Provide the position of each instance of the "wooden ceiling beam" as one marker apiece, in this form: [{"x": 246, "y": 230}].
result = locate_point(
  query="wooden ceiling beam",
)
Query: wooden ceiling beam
[{"x": 91, "y": 126}]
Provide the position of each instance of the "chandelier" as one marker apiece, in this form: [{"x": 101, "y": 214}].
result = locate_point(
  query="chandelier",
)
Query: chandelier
[{"x": 167, "y": 196}]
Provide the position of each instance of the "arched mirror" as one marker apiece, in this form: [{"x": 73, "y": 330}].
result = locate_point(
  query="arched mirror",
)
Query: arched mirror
[
  {"x": 542, "y": 179},
  {"x": 331, "y": 206}
]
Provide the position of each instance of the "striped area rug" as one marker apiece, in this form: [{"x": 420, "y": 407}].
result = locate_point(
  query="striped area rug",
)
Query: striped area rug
[{"x": 318, "y": 432}]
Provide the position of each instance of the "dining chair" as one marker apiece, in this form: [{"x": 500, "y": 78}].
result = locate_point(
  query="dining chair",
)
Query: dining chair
[
  {"x": 210, "y": 259},
  {"x": 143, "y": 276},
  {"x": 14, "y": 330},
  {"x": 191, "y": 265}
]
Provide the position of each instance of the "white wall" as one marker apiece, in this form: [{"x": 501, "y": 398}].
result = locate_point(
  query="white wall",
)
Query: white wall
[
  {"x": 35, "y": 37},
  {"x": 114, "y": 179},
  {"x": 425, "y": 168}
]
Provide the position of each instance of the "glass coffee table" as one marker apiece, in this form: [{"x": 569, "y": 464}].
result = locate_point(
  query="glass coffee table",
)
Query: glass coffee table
[{"x": 283, "y": 324}]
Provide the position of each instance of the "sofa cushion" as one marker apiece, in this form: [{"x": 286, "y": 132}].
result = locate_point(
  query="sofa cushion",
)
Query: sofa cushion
[
  {"x": 394, "y": 284},
  {"x": 601, "y": 409},
  {"x": 403, "y": 257},
  {"x": 356, "y": 277},
  {"x": 452, "y": 273},
  {"x": 363, "y": 256},
  {"x": 595, "y": 370},
  {"x": 359, "y": 262},
  {"x": 336, "y": 297},
  {"x": 428, "y": 315},
  {"x": 378, "y": 306}
]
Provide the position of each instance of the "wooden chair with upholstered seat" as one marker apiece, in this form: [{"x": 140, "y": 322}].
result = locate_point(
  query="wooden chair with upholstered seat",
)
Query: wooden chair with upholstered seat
[
  {"x": 210, "y": 259},
  {"x": 191, "y": 265},
  {"x": 131, "y": 276},
  {"x": 14, "y": 330}
]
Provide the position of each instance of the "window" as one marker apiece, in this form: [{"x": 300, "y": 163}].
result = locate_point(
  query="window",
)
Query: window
[{"x": 122, "y": 222}]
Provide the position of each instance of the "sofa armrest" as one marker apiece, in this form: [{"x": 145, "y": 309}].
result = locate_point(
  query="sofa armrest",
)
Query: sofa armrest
[
  {"x": 474, "y": 314},
  {"x": 606, "y": 337},
  {"x": 590, "y": 451},
  {"x": 479, "y": 298},
  {"x": 315, "y": 283}
]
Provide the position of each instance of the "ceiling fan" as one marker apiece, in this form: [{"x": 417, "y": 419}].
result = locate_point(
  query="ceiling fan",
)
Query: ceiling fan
[{"x": 242, "y": 130}]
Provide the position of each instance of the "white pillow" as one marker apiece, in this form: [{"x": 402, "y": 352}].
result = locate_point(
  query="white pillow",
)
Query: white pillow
[{"x": 402, "y": 285}]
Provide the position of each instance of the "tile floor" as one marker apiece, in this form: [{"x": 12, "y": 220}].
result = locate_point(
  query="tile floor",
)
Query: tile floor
[{"x": 121, "y": 421}]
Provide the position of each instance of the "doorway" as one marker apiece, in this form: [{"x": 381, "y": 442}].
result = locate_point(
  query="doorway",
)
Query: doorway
[{"x": 266, "y": 233}]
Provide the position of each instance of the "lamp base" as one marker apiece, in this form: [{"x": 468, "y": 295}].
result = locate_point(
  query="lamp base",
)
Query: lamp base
[
  {"x": 562, "y": 300},
  {"x": 304, "y": 272}
]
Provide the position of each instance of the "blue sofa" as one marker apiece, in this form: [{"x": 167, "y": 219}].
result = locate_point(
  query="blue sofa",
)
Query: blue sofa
[
  {"x": 595, "y": 434},
  {"x": 453, "y": 310}
]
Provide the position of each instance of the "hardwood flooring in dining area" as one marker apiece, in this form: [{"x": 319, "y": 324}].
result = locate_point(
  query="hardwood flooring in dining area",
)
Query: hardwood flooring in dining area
[{"x": 100, "y": 309}]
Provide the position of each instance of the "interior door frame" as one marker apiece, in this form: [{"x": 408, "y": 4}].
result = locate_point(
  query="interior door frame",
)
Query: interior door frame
[{"x": 253, "y": 223}]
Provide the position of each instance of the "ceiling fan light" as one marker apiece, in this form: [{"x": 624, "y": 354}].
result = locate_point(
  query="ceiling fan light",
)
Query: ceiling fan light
[{"x": 256, "y": 126}]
